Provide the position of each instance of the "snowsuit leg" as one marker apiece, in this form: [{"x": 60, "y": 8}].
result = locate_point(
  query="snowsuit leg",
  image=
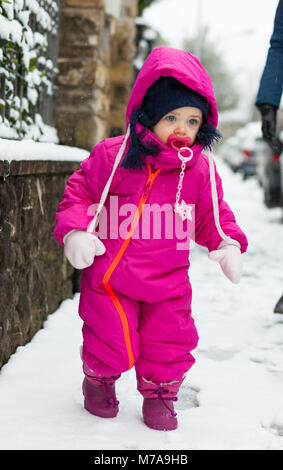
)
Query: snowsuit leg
[
  {"x": 167, "y": 337},
  {"x": 110, "y": 344},
  {"x": 160, "y": 338}
]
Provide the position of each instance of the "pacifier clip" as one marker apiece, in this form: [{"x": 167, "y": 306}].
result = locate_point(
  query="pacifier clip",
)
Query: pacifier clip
[
  {"x": 181, "y": 208},
  {"x": 181, "y": 144}
]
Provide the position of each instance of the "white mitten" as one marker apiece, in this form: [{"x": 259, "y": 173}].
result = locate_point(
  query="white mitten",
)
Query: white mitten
[
  {"x": 81, "y": 247},
  {"x": 228, "y": 255}
]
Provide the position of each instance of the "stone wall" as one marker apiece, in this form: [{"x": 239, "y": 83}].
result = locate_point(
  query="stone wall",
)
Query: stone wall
[
  {"x": 34, "y": 274},
  {"x": 96, "y": 53}
]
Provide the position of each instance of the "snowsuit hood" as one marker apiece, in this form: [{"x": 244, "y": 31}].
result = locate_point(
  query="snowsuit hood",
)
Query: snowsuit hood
[
  {"x": 181, "y": 65},
  {"x": 187, "y": 69}
]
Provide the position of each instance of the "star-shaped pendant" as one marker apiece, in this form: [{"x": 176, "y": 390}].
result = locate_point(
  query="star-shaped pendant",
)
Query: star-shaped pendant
[{"x": 184, "y": 210}]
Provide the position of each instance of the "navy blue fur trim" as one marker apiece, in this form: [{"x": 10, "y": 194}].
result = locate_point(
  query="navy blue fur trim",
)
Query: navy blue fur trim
[
  {"x": 134, "y": 158},
  {"x": 208, "y": 135}
]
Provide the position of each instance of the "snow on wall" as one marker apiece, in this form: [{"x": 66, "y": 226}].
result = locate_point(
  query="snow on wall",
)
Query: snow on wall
[{"x": 30, "y": 150}]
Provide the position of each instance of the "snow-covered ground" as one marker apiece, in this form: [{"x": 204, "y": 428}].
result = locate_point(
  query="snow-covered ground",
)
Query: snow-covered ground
[{"x": 231, "y": 399}]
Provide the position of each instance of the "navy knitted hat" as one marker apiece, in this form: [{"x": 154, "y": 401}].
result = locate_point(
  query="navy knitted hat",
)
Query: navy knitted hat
[
  {"x": 167, "y": 94},
  {"x": 164, "y": 95}
]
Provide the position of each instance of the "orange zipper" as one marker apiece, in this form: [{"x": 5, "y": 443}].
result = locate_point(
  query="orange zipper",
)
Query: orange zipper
[{"x": 118, "y": 257}]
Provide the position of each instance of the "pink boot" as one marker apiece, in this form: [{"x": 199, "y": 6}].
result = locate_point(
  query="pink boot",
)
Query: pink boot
[
  {"x": 159, "y": 413},
  {"x": 100, "y": 397}
]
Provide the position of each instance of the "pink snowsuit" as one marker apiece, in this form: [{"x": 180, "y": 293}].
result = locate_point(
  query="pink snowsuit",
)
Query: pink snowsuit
[{"x": 135, "y": 299}]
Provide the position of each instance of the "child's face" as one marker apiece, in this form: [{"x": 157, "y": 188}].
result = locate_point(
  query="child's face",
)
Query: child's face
[{"x": 183, "y": 122}]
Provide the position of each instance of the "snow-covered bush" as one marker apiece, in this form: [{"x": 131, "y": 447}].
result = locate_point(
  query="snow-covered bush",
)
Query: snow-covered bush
[{"x": 27, "y": 71}]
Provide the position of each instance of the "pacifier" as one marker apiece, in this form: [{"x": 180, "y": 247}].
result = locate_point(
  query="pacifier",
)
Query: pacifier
[
  {"x": 178, "y": 142},
  {"x": 182, "y": 146}
]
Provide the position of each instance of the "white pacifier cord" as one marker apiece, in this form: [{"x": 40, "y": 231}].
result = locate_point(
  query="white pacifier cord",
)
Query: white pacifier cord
[
  {"x": 105, "y": 191},
  {"x": 215, "y": 199}
]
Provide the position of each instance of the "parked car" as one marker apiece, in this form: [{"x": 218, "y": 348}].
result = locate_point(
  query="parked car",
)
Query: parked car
[
  {"x": 261, "y": 150},
  {"x": 269, "y": 174},
  {"x": 231, "y": 153},
  {"x": 239, "y": 150},
  {"x": 248, "y": 137}
]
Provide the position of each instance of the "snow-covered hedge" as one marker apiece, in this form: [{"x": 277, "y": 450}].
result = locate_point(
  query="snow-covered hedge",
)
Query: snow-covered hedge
[{"x": 27, "y": 71}]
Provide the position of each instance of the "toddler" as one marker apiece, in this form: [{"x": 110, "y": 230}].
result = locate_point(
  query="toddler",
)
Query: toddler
[{"x": 135, "y": 299}]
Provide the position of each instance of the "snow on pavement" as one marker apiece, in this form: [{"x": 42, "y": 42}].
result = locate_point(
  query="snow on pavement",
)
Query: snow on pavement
[{"x": 232, "y": 398}]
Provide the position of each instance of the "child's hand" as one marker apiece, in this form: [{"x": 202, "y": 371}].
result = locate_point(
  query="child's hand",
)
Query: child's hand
[
  {"x": 230, "y": 259},
  {"x": 81, "y": 247}
]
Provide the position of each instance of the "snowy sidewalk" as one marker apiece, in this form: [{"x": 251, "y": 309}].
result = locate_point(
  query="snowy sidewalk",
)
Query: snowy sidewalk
[{"x": 231, "y": 399}]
